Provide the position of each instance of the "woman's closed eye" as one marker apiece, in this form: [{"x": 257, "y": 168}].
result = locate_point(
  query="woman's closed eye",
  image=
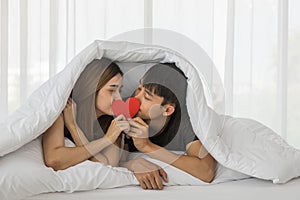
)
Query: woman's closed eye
[{"x": 115, "y": 90}]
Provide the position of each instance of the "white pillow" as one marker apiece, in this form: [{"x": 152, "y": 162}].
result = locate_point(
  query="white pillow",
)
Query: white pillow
[
  {"x": 23, "y": 173},
  {"x": 179, "y": 177},
  {"x": 90, "y": 175},
  {"x": 175, "y": 175},
  {"x": 46, "y": 103},
  {"x": 224, "y": 174},
  {"x": 256, "y": 150}
]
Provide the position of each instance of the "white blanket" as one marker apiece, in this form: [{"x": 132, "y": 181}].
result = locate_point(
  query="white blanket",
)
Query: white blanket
[{"x": 242, "y": 145}]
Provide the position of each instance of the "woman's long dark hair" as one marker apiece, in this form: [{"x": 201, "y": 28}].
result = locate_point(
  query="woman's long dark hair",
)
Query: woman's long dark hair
[{"x": 95, "y": 75}]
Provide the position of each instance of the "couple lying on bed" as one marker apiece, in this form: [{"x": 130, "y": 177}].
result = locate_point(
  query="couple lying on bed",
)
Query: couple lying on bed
[{"x": 160, "y": 127}]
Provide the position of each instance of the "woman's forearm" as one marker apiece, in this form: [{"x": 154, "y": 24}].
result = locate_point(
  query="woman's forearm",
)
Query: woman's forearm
[
  {"x": 80, "y": 140},
  {"x": 109, "y": 155},
  {"x": 64, "y": 157},
  {"x": 77, "y": 135}
]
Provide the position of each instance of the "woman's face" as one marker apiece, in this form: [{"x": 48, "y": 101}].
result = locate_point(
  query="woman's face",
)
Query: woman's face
[{"x": 107, "y": 94}]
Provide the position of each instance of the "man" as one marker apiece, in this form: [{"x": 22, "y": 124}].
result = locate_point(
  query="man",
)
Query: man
[{"x": 161, "y": 126}]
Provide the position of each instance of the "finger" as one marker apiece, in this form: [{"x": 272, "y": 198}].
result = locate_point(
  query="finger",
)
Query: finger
[
  {"x": 69, "y": 106},
  {"x": 134, "y": 124},
  {"x": 125, "y": 128},
  {"x": 140, "y": 121},
  {"x": 147, "y": 182},
  {"x": 137, "y": 133},
  {"x": 130, "y": 134},
  {"x": 143, "y": 185},
  {"x": 65, "y": 109},
  {"x": 73, "y": 102},
  {"x": 158, "y": 181},
  {"x": 120, "y": 117},
  {"x": 127, "y": 136},
  {"x": 153, "y": 182},
  {"x": 164, "y": 175},
  {"x": 122, "y": 123}
]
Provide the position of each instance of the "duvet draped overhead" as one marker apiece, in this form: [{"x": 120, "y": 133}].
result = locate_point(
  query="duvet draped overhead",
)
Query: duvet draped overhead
[{"x": 243, "y": 145}]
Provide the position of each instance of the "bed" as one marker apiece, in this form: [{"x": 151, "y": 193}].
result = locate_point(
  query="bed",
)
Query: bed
[
  {"x": 247, "y": 189},
  {"x": 243, "y": 147}
]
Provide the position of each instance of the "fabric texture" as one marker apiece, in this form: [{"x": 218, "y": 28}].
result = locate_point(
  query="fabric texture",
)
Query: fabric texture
[{"x": 241, "y": 145}]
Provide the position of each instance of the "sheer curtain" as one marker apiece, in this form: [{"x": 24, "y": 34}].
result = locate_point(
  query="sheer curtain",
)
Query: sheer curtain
[{"x": 253, "y": 43}]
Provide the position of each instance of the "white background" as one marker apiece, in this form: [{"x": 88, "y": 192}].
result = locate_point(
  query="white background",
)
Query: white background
[{"x": 255, "y": 45}]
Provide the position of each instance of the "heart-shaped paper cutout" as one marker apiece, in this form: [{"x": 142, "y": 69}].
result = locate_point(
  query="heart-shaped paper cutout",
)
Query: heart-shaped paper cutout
[{"x": 128, "y": 108}]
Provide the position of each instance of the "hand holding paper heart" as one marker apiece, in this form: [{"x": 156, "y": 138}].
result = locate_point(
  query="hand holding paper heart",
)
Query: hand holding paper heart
[
  {"x": 128, "y": 108},
  {"x": 139, "y": 132}
]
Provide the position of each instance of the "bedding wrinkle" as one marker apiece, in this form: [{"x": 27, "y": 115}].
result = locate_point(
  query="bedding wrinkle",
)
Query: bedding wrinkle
[{"x": 243, "y": 148}]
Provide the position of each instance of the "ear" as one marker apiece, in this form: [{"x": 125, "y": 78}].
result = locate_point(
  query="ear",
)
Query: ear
[{"x": 169, "y": 110}]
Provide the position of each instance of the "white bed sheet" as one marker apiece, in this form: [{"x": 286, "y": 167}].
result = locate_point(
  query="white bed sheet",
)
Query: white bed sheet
[{"x": 251, "y": 189}]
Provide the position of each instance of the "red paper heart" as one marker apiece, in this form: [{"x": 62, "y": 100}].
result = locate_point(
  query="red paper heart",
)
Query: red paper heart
[{"x": 128, "y": 108}]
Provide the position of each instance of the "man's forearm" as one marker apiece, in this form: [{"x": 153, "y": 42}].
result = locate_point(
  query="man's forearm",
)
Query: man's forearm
[{"x": 193, "y": 165}]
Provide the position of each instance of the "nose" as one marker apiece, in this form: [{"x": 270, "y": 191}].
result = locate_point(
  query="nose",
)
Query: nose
[
  {"x": 117, "y": 95},
  {"x": 138, "y": 95}
]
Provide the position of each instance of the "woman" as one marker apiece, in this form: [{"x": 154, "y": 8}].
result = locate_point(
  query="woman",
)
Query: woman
[{"x": 98, "y": 85}]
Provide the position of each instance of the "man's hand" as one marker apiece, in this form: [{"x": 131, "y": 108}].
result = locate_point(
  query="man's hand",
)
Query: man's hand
[
  {"x": 148, "y": 174},
  {"x": 139, "y": 131}
]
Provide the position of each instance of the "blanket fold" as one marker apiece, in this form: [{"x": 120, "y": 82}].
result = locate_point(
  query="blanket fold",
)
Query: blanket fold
[{"x": 242, "y": 145}]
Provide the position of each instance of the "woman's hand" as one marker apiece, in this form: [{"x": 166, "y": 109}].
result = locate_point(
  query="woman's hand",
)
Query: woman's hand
[
  {"x": 148, "y": 174},
  {"x": 70, "y": 114},
  {"x": 117, "y": 125}
]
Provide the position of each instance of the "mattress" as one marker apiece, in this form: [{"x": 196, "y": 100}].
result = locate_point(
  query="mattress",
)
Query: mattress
[{"x": 250, "y": 188}]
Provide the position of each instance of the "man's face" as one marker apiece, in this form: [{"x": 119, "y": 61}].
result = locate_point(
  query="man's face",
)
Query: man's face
[{"x": 150, "y": 104}]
